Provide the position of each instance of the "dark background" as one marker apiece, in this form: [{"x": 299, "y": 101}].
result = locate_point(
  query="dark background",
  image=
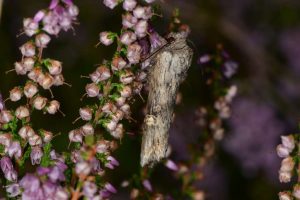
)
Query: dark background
[{"x": 263, "y": 36}]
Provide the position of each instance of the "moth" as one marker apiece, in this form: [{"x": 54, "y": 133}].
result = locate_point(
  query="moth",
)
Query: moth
[{"x": 169, "y": 69}]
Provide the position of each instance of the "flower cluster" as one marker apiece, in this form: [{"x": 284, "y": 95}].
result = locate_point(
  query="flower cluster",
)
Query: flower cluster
[
  {"x": 288, "y": 150},
  {"x": 18, "y": 139}
]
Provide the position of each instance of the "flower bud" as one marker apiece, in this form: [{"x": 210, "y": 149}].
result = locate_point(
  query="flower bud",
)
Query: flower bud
[
  {"x": 87, "y": 129},
  {"x": 35, "y": 74},
  {"x": 58, "y": 80},
  {"x": 73, "y": 10},
  {"x": 28, "y": 63},
  {"x": 15, "y": 94},
  {"x": 53, "y": 107},
  {"x": 47, "y": 136},
  {"x": 36, "y": 155},
  {"x": 106, "y": 38},
  {"x": 101, "y": 146},
  {"x": 28, "y": 49},
  {"x": 134, "y": 53},
  {"x": 287, "y": 164},
  {"x": 141, "y": 28},
  {"x": 92, "y": 90},
  {"x": 147, "y": 185},
  {"x": 111, "y": 125},
  {"x": 8, "y": 169},
  {"x": 6, "y": 139},
  {"x": 30, "y": 27},
  {"x": 89, "y": 189},
  {"x": 47, "y": 82},
  {"x": 129, "y": 5},
  {"x": 26, "y": 132},
  {"x": 171, "y": 165},
  {"x": 86, "y": 113},
  {"x": 15, "y": 150},
  {"x": 110, "y": 3},
  {"x": 55, "y": 67},
  {"x": 109, "y": 187},
  {"x": 35, "y": 140},
  {"x": 39, "y": 102},
  {"x": 285, "y": 196},
  {"x": 22, "y": 112},
  {"x": 128, "y": 38},
  {"x": 288, "y": 142},
  {"x": 128, "y": 20},
  {"x": 118, "y": 132},
  {"x": 141, "y": 76},
  {"x": 5, "y": 116},
  {"x": 120, "y": 101},
  {"x": 30, "y": 89},
  {"x": 75, "y": 136},
  {"x": 42, "y": 40},
  {"x": 139, "y": 12},
  {"x": 109, "y": 108},
  {"x": 126, "y": 109},
  {"x": 126, "y": 77},
  {"x": 282, "y": 151},
  {"x": 118, "y": 63},
  {"x": 20, "y": 69},
  {"x": 284, "y": 176},
  {"x": 126, "y": 92},
  {"x": 296, "y": 191},
  {"x": 82, "y": 168}
]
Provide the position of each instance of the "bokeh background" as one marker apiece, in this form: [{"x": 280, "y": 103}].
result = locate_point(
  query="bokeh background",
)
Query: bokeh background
[{"x": 263, "y": 36}]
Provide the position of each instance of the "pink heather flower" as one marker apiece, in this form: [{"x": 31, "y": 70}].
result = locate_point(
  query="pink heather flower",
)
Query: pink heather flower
[
  {"x": 134, "y": 53},
  {"x": 5, "y": 116},
  {"x": 287, "y": 164},
  {"x": 73, "y": 10},
  {"x": 126, "y": 91},
  {"x": 15, "y": 94},
  {"x": 128, "y": 20},
  {"x": 118, "y": 63},
  {"x": 14, "y": 150},
  {"x": 20, "y": 69},
  {"x": 36, "y": 155},
  {"x": 30, "y": 183},
  {"x": 30, "y": 89},
  {"x": 86, "y": 113},
  {"x": 53, "y": 107},
  {"x": 87, "y": 129},
  {"x": 39, "y": 102},
  {"x": 42, "y": 40},
  {"x": 13, "y": 190},
  {"x": 147, "y": 185},
  {"x": 92, "y": 90},
  {"x": 127, "y": 77},
  {"x": 110, "y": 3},
  {"x": 156, "y": 40},
  {"x": 150, "y": 1},
  {"x": 118, "y": 132},
  {"x": 141, "y": 28},
  {"x": 89, "y": 189},
  {"x": 39, "y": 16},
  {"x": 28, "y": 49},
  {"x": 26, "y": 132},
  {"x": 5, "y": 139},
  {"x": 129, "y": 5},
  {"x": 113, "y": 161},
  {"x": 8, "y": 169},
  {"x": 106, "y": 38},
  {"x": 53, "y": 4},
  {"x": 82, "y": 168},
  {"x": 30, "y": 26},
  {"x": 288, "y": 142},
  {"x": 2, "y": 104},
  {"x": 128, "y": 38},
  {"x": 75, "y": 136},
  {"x": 285, "y": 176},
  {"x": 296, "y": 191},
  {"x": 171, "y": 165},
  {"x": 35, "y": 140},
  {"x": 282, "y": 151},
  {"x": 109, "y": 187}
]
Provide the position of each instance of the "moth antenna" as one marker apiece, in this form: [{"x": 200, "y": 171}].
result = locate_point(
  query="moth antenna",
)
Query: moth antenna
[
  {"x": 142, "y": 97},
  {"x": 58, "y": 134},
  {"x": 76, "y": 120},
  {"x": 8, "y": 71},
  {"x": 20, "y": 34},
  {"x": 6, "y": 100}
]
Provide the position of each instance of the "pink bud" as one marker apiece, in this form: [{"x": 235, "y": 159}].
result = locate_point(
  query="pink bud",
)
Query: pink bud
[
  {"x": 6, "y": 139},
  {"x": 73, "y": 10},
  {"x": 129, "y": 5},
  {"x": 126, "y": 109},
  {"x": 296, "y": 191},
  {"x": 127, "y": 77},
  {"x": 141, "y": 28},
  {"x": 120, "y": 101},
  {"x": 171, "y": 165},
  {"x": 134, "y": 53},
  {"x": 128, "y": 20},
  {"x": 5, "y": 116},
  {"x": 110, "y": 3},
  {"x": 118, "y": 63},
  {"x": 26, "y": 132},
  {"x": 53, "y": 107},
  {"x": 42, "y": 40},
  {"x": 28, "y": 49},
  {"x": 118, "y": 132},
  {"x": 287, "y": 164},
  {"x": 82, "y": 168},
  {"x": 30, "y": 27},
  {"x": 59, "y": 80},
  {"x": 22, "y": 112},
  {"x": 39, "y": 102},
  {"x": 128, "y": 37},
  {"x": 111, "y": 125},
  {"x": 87, "y": 129},
  {"x": 288, "y": 142},
  {"x": 285, "y": 196},
  {"x": 39, "y": 16},
  {"x": 15, "y": 94},
  {"x": 35, "y": 140},
  {"x": 30, "y": 89},
  {"x": 75, "y": 136},
  {"x": 139, "y": 12},
  {"x": 47, "y": 136},
  {"x": 86, "y": 113},
  {"x": 284, "y": 176},
  {"x": 106, "y": 38},
  {"x": 92, "y": 90},
  {"x": 101, "y": 146},
  {"x": 126, "y": 92},
  {"x": 47, "y": 81},
  {"x": 20, "y": 69},
  {"x": 109, "y": 108},
  {"x": 102, "y": 73},
  {"x": 28, "y": 63},
  {"x": 282, "y": 151},
  {"x": 35, "y": 74}
]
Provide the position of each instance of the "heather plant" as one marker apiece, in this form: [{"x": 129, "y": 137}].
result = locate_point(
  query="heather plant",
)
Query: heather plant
[{"x": 114, "y": 86}]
